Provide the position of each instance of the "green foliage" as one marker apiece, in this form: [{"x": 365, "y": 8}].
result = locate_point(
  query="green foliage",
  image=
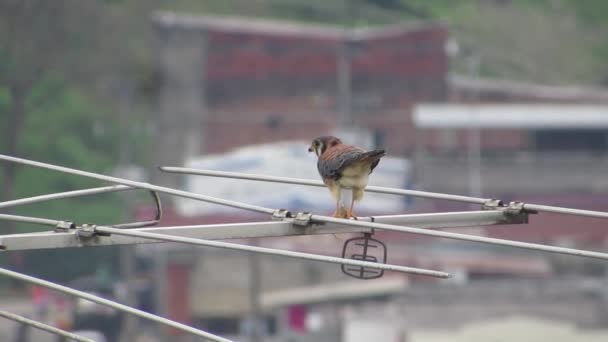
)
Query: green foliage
[
  {"x": 591, "y": 12},
  {"x": 4, "y": 106},
  {"x": 63, "y": 265},
  {"x": 65, "y": 126},
  {"x": 544, "y": 41}
]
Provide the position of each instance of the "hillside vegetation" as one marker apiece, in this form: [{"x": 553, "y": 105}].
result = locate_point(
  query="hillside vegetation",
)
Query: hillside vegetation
[{"x": 544, "y": 41}]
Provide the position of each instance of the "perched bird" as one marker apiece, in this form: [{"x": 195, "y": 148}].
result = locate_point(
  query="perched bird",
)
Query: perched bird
[{"x": 344, "y": 167}]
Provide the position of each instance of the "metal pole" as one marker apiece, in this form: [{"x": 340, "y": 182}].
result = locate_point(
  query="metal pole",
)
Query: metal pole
[
  {"x": 344, "y": 82},
  {"x": 464, "y": 237},
  {"x": 63, "y": 195},
  {"x": 126, "y": 253},
  {"x": 70, "y": 238},
  {"x": 474, "y": 136},
  {"x": 271, "y": 251},
  {"x": 44, "y": 327},
  {"x": 392, "y": 227},
  {"x": 161, "y": 264},
  {"x": 26, "y": 219},
  {"x": 67, "y": 239},
  {"x": 566, "y": 211},
  {"x": 127, "y": 269},
  {"x": 141, "y": 185},
  {"x": 384, "y": 190},
  {"x": 310, "y": 182},
  {"x": 474, "y": 160},
  {"x": 114, "y": 305},
  {"x": 255, "y": 289}
]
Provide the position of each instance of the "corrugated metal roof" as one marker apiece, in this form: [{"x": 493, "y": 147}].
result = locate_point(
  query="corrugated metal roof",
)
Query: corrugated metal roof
[{"x": 524, "y": 115}]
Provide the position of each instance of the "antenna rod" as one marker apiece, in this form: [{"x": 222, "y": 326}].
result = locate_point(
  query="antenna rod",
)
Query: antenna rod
[
  {"x": 112, "y": 304},
  {"x": 141, "y": 185},
  {"x": 272, "y": 251},
  {"x": 382, "y": 190},
  {"x": 64, "y": 195},
  {"x": 44, "y": 327}
]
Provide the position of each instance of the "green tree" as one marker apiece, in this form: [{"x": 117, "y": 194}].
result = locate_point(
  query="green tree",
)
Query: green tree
[
  {"x": 40, "y": 41},
  {"x": 49, "y": 111}
]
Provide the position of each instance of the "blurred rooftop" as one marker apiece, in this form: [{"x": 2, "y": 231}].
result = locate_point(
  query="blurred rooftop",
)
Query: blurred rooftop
[{"x": 283, "y": 27}]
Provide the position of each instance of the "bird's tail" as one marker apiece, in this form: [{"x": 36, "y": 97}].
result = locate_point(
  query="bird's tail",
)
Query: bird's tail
[{"x": 374, "y": 155}]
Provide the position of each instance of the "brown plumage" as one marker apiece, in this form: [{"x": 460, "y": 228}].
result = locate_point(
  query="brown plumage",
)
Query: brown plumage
[{"x": 344, "y": 166}]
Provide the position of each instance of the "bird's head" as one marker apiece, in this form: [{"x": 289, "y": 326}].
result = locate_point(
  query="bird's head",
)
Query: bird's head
[{"x": 320, "y": 144}]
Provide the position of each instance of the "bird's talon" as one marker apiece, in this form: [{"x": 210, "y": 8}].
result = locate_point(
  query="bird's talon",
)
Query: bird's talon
[
  {"x": 350, "y": 215},
  {"x": 340, "y": 214}
]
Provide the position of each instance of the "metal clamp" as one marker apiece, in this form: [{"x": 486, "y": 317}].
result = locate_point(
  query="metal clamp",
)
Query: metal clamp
[
  {"x": 493, "y": 204},
  {"x": 88, "y": 231},
  {"x": 514, "y": 208},
  {"x": 302, "y": 219},
  {"x": 64, "y": 226},
  {"x": 281, "y": 215},
  {"x": 516, "y": 213}
]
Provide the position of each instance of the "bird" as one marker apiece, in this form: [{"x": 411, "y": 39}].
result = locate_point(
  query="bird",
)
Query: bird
[{"x": 343, "y": 166}]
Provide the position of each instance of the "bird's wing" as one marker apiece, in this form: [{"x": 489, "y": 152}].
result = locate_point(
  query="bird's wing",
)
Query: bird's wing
[
  {"x": 374, "y": 156},
  {"x": 335, "y": 159}
]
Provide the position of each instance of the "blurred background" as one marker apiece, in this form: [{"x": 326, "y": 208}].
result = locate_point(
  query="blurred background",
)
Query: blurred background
[{"x": 502, "y": 99}]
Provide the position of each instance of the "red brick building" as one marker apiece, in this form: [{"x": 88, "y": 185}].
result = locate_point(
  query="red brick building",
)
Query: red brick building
[{"x": 230, "y": 82}]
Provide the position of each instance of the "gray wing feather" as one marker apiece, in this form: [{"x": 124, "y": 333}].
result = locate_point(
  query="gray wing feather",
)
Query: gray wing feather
[{"x": 331, "y": 168}]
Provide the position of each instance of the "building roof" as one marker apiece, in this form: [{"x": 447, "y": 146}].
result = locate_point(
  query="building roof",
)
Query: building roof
[
  {"x": 322, "y": 293},
  {"x": 528, "y": 90},
  {"x": 285, "y": 28},
  {"x": 511, "y": 115}
]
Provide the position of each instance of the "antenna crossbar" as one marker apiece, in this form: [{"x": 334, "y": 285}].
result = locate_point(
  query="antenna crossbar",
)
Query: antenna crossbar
[
  {"x": 64, "y": 195},
  {"x": 68, "y": 238}
]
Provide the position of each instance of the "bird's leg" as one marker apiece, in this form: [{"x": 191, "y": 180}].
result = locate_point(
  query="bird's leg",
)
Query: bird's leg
[
  {"x": 349, "y": 212},
  {"x": 338, "y": 209}
]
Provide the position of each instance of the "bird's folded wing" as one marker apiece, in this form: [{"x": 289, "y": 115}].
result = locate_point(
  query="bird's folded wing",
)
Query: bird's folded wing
[{"x": 334, "y": 160}]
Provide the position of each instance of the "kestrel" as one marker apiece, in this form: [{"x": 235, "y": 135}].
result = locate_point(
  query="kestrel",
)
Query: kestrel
[{"x": 344, "y": 167}]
